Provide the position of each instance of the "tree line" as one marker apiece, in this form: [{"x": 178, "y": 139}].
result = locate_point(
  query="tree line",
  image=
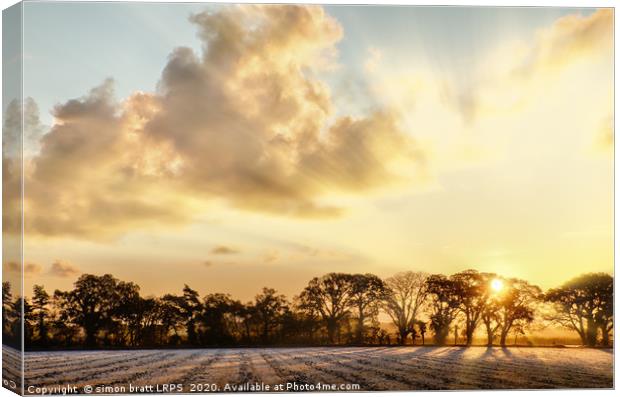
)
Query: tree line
[{"x": 335, "y": 309}]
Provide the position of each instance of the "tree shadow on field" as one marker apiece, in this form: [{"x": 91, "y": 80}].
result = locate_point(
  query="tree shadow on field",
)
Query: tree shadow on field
[
  {"x": 490, "y": 351},
  {"x": 507, "y": 352},
  {"x": 455, "y": 354},
  {"x": 424, "y": 350}
]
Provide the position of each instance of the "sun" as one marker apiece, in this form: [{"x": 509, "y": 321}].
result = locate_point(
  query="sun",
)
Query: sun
[{"x": 497, "y": 285}]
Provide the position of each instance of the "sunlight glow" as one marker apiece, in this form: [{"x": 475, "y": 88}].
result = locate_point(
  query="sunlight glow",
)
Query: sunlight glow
[{"x": 497, "y": 285}]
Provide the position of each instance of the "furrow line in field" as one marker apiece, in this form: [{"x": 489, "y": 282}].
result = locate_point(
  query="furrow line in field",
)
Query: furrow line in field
[
  {"x": 41, "y": 361},
  {"x": 220, "y": 371},
  {"x": 246, "y": 374},
  {"x": 200, "y": 368},
  {"x": 11, "y": 372},
  {"x": 455, "y": 373},
  {"x": 80, "y": 363},
  {"x": 588, "y": 360},
  {"x": 553, "y": 373},
  {"x": 261, "y": 369},
  {"x": 441, "y": 361},
  {"x": 404, "y": 374},
  {"x": 339, "y": 371},
  {"x": 296, "y": 372},
  {"x": 571, "y": 374},
  {"x": 355, "y": 362},
  {"x": 540, "y": 378},
  {"x": 451, "y": 371},
  {"x": 96, "y": 376},
  {"x": 145, "y": 374},
  {"x": 86, "y": 369}
]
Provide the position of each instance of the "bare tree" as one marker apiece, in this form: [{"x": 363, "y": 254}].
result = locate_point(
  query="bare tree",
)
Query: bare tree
[{"x": 406, "y": 293}]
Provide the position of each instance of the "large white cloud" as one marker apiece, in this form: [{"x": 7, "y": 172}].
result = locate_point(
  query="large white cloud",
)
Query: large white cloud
[{"x": 248, "y": 122}]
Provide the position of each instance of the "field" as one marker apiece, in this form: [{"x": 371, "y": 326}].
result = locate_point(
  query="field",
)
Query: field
[{"x": 371, "y": 368}]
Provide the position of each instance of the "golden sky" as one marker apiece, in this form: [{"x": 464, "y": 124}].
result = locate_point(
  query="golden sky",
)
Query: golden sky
[{"x": 250, "y": 165}]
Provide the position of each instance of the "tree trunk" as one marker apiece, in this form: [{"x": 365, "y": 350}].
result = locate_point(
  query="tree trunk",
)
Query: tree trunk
[
  {"x": 470, "y": 336},
  {"x": 591, "y": 333},
  {"x": 266, "y": 332},
  {"x": 331, "y": 330},
  {"x": 43, "y": 340},
  {"x": 402, "y": 340},
  {"x": 360, "y": 327},
  {"x": 441, "y": 335},
  {"x": 503, "y": 336},
  {"x": 605, "y": 335},
  {"x": 90, "y": 337}
]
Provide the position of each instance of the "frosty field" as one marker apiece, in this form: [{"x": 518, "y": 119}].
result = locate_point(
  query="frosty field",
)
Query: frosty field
[{"x": 372, "y": 368}]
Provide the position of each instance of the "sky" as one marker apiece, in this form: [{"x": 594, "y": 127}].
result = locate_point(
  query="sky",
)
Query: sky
[{"x": 232, "y": 148}]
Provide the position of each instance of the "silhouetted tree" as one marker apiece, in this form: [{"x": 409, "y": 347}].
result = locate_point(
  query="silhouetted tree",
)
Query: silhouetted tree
[
  {"x": 307, "y": 323},
  {"x": 172, "y": 318},
  {"x": 406, "y": 293},
  {"x": 93, "y": 303},
  {"x": 122, "y": 326},
  {"x": 472, "y": 290},
  {"x": 218, "y": 318},
  {"x": 516, "y": 304},
  {"x": 7, "y": 308},
  {"x": 21, "y": 311},
  {"x": 141, "y": 318},
  {"x": 605, "y": 312},
  {"x": 491, "y": 319},
  {"x": 330, "y": 296},
  {"x": 103, "y": 311},
  {"x": 490, "y": 315},
  {"x": 269, "y": 308},
  {"x": 422, "y": 328},
  {"x": 444, "y": 294},
  {"x": 191, "y": 307},
  {"x": 40, "y": 302},
  {"x": 367, "y": 292},
  {"x": 581, "y": 302}
]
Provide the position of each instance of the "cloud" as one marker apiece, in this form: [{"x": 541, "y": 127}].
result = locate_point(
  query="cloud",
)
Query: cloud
[
  {"x": 30, "y": 269},
  {"x": 514, "y": 65},
  {"x": 210, "y": 263},
  {"x": 247, "y": 123},
  {"x": 85, "y": 181},
  {"x": 271, "y": 256},
  {"x": 224, "y": 250},
  {"x": 571, "y": 37},
  {"x": 63, "y": 269},
  {"x": 375, "y": 57}
]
